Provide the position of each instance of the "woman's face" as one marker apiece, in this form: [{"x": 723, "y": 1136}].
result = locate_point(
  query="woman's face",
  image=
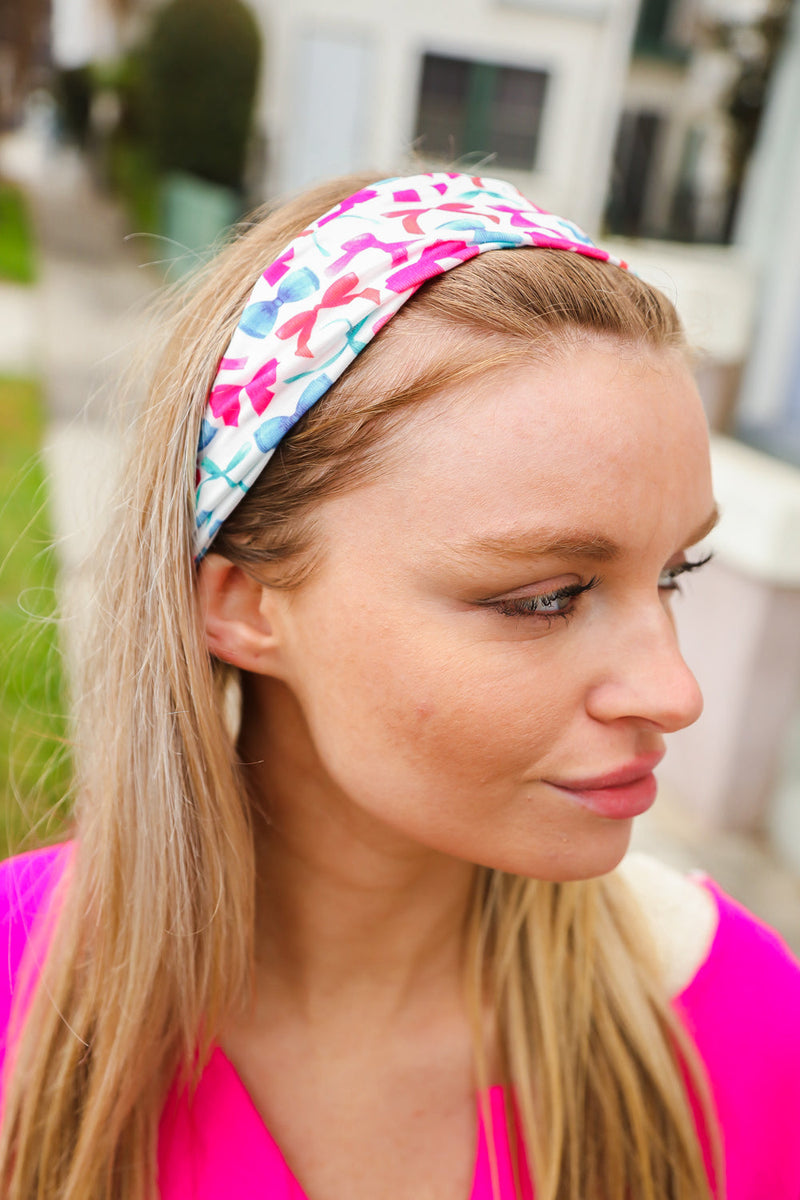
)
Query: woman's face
[{"x": 485, "y": 659}]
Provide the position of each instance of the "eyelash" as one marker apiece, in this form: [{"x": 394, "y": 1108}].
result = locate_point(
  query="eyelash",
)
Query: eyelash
[
  {"x": 529, "y": 606},
  {"x": 683, "y": 568}
]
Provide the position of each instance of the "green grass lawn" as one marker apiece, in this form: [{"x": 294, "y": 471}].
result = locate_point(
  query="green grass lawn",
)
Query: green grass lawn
[
  {"x": 34, "y": 754},
  {"x": 17, "y": 259}
]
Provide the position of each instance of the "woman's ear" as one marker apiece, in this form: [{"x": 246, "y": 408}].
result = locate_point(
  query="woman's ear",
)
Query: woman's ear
[{"x": 237, "y": 621}]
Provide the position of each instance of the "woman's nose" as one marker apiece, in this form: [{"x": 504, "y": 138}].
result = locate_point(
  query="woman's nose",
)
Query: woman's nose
[{"x": 643, "y": 676}]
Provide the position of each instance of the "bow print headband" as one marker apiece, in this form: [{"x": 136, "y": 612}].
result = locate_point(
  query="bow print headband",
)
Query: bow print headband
[{"x": 327, "y": 295}]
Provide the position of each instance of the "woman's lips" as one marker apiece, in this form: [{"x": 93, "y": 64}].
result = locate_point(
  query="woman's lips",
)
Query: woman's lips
[{"x": 623, "y": 793}]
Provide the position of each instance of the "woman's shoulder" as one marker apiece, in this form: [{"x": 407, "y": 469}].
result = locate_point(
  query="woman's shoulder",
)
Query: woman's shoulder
[
  {"x": 706, "y": 939},
  {"x": 27, "y": 885},
  {"x": 749, "y": 981},
  {"x": 733, "y": 980},
  {"x": 681, "y": 915},
  {"x": 739, "y": 1000},
  {"x": 26, "y": 880}
]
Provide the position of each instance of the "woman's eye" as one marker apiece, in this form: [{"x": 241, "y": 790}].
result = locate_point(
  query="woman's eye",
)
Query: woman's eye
[
  {"x": 668, "y": 579},
  {"x": 558, "y": 603}
]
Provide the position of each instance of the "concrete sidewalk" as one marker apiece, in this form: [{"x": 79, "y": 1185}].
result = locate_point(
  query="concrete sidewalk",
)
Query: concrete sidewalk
[{"x": 77, "y": 330}]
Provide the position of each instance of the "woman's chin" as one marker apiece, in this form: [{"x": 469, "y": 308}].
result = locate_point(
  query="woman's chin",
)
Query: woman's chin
[{"x": 574, "y": 859}]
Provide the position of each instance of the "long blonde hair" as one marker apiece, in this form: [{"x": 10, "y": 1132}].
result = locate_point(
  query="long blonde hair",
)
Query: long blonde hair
[{"x": 153, "y": 950}]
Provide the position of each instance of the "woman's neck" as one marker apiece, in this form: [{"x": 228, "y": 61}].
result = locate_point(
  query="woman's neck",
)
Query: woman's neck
[{"x": 346, "y": 907}]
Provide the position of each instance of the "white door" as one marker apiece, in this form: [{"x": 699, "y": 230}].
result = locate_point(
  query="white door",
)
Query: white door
[{"x": 326, "y": 126}]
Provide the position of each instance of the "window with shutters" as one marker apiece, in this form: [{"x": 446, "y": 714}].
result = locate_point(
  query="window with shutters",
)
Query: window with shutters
[
  {"x": 655, "y": 35},
  {"x": 476, "y": 108}
]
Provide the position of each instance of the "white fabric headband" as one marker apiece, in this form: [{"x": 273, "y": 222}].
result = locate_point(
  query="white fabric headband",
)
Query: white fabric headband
[{"x": 327, "y": 295}]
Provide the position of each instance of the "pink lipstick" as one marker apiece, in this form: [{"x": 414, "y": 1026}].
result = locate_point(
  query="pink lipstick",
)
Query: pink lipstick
[{"x": 619, "y": 794}]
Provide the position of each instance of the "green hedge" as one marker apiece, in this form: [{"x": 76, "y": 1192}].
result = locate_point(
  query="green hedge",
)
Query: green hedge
[{"x": 200, "y": 70}]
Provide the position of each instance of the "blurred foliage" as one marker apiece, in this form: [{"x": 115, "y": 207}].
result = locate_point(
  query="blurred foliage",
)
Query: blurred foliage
[
  {"x": 754, "y": 47},
  {"x": 17, "y": 260},
  {"x": 123, "y": 77},
  {"x": 34, "y": 756},
  {"x": 72, "y": 90},
  {"x": 133, "y": 176},
  {"x": 124, "y": 158},
  {"x": 179, "y": 100},
  {"x": 200, "y": 71}
]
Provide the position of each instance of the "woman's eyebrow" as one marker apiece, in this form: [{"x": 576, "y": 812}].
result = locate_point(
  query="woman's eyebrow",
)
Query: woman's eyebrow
[
  {"x": 537, "y": 543},
  {"x": 556, "y": 543}
]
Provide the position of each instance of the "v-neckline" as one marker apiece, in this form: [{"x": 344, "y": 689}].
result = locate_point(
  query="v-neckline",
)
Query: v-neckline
[
  {"x": 480, "y": 1188},
  {"x": 215, "y": 1136}
]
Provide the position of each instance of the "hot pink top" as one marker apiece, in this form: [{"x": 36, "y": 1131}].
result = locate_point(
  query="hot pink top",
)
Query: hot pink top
[{"x": 742, "y": 1009}]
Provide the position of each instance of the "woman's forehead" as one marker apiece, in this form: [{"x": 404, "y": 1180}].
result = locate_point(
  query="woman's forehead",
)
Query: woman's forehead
[
  {"x": 567, "y": 404},
  {"x": 593, "y": 442}
]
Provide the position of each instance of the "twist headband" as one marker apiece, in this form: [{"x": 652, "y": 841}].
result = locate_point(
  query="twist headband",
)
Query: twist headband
[{"x": 327, "y": 295}]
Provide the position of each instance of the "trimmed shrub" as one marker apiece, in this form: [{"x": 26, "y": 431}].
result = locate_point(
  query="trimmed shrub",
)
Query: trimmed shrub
[{"x": 201, "y": 64}]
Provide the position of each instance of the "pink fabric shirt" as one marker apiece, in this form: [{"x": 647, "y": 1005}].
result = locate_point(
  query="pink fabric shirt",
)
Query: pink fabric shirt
[{"x": 742, "y": 1008}]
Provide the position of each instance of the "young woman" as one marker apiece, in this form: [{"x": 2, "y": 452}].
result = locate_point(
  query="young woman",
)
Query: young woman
[{"x": 380, "y": 678}]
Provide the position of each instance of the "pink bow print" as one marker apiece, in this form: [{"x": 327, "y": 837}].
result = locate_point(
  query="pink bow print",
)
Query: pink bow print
[{"x": 337, "y": 295}]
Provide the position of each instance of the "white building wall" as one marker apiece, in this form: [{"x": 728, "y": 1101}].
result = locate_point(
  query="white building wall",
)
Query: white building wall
[
  {"x": 584, "y": 46},
  {"x": 81, "y": 31}
]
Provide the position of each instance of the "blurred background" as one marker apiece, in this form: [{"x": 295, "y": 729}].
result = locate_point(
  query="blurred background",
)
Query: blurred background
[{"x": 133, "y": 133}]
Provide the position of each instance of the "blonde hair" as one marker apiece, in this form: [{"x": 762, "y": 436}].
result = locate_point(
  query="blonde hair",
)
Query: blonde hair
[{"x": 153, "y": 950}]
